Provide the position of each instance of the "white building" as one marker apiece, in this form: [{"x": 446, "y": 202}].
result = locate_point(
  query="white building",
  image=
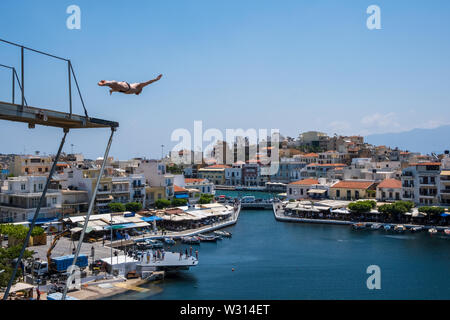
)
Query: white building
[
  {"x": 420, "y": 183},
  {"x": 20, "y": 197},
  {"x": 203, "y": 185},
  {"x": 233, "y": 175},
  {"x": 156, "y": 175}
]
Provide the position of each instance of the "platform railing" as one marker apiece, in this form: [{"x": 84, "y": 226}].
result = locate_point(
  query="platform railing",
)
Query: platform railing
[
  {"x": 15, "y": 78},
  {"x": 21, "y": 82}
]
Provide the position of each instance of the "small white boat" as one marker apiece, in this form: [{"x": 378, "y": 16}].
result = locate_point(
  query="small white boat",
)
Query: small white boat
[
  {"x": 400, "y": 228},
  {"x": 447, "y": 232},
  {"x": 222, "y": 233},
  {"x": 190, "y": 240},
  {"x": 416, "y": 229},
  {"x": 432, "y": 231},
  {"x": 376, "y": 226}
]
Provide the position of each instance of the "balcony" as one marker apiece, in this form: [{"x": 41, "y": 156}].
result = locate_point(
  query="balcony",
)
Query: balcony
[
  {"x": 103, "y": 191},
  {"x": 121, "y": 191}
]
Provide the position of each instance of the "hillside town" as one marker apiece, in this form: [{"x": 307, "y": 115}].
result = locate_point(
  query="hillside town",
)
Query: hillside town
[{"x": 313, "y": 166}]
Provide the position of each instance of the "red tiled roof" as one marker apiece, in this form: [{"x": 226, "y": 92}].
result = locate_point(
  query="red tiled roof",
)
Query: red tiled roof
[
  {"x": 425, "y": 164},
  {"x": 327, "y": 165},
  {"x": 218, "y": 166},
  {"x": 310, "y": 155},
  {"x": 390, "y": 183},
  {"x": 305, "y": 182},
  {"x": 352, "y": 184},
  {"x": 179, "y": 189}
]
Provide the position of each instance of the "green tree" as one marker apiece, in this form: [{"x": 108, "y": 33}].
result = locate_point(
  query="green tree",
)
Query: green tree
[
  {"x": 7, "y": 256},
  {"x": 116, "y": 207},
  {"x": 178, "y": 202},
  {"x": 361, "y": 206},
  {"x": 162, "y": 203},
  {"x": 205, "y": 198},
  {"x": 133, "y": 206}
]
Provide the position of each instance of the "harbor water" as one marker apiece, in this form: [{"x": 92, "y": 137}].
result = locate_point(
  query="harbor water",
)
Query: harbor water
[{"x": 276, "y": 260}]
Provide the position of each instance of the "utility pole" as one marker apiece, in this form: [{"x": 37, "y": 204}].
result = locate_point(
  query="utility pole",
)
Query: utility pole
[{"x": 162, "y": 152}]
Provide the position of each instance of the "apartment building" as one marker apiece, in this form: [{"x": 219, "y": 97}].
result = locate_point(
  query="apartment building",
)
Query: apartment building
[
  {"x": 31, "y": 165},
  {"x": 20, "y": 197},
  {"x": 214, "y": 173},
  {"x": 157, "y": 179},
  {"x": 421, "y": 182}
]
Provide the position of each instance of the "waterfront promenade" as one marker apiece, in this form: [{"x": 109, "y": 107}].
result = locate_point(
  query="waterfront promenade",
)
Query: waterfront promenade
[
  {"x": 190, "y": 232},
  {"x": 279, "y": 215}
]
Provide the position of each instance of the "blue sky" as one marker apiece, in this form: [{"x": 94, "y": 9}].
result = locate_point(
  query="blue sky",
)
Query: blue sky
[{"x": 291, "y": 65}]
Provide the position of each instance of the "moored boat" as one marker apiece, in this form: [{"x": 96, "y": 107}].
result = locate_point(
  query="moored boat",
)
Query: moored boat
[
  {"x": 168, "y": 240},
  {"x": 154, "y": 244},
  {"x": 432, "y": 231},
  {"x": 387, "y": 227},
  {"x": 400, "y": 228},
  {"x": 359, "y": 225},
  {"x": 206, "y": 238},
  {"x": 376, "y": 226},
  {"x": 190, "y": 240},
  {"x": 416, "y": 229},
  {"x": 447, "y": 232},
  {"x": 222, "y": 233}
]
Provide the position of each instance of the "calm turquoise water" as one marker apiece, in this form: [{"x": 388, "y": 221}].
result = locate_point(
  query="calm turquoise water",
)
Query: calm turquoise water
[{"x": 274, "y": 260}]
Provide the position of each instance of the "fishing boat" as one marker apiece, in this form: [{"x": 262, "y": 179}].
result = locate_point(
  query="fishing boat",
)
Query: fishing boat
[
  {"x": 447, "y": 232},
  {"x": 400, "y": 228},
  {"x": 376, "y": 226},
  {"x": 190, "y": 240},
  {"x": 222, "y": 233},
  {"x": 387, "y": 227},
  {"x": 359, "y": 225},
  {"x": 206, "y": 238},
  {"x": 432, "y": 231},
  {"x": 416, "y": 229},
  {"x": 168, "y": 240}
]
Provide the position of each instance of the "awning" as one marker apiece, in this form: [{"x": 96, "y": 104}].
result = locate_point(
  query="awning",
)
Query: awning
[
  {"x": 127, "y": 226},
  {"x": 340, "y": 211},
  {"x": 21, "y": 286},
  {"x": 317, "y": 191},
  {"x": 181, "y": 196},
  {"x": 43, "y": 220},
  {"x": 151, "y": 219},
  {"x": 445, "y": 173}
]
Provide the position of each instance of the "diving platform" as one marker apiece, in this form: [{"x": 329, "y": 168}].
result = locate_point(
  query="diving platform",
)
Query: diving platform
[{"x": 38, "y": 116}]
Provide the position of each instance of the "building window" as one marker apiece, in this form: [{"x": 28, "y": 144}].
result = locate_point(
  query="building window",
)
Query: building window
[{"x": 22, "y": 187}]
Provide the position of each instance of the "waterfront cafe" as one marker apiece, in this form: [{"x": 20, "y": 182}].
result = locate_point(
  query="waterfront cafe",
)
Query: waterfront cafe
[
  {"x": 122, "y": 224},
  {"x": 191, "y": 217},
  {"x": 326, "y": 209}
]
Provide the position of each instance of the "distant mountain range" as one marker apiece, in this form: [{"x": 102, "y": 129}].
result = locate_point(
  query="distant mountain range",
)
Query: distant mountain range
[{"x": 425, "y": 141}]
